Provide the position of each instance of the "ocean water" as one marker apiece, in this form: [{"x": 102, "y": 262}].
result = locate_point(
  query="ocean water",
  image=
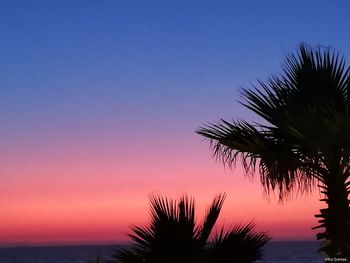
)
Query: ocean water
[
  {"x": 275, "y": 252},
  {"x": 292, "y": 252}
]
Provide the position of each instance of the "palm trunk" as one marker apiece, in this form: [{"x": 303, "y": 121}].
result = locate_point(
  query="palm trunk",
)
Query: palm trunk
[{"x": 336, "y": 217}]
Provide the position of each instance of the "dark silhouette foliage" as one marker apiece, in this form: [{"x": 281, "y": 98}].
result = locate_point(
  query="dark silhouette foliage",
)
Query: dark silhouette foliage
[
  {"x": 174, "y": 237},
  {"x": 303, "y": 140}
]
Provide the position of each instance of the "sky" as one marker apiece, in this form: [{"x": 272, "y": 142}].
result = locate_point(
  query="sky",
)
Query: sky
[{"x": 100, "y": 101}]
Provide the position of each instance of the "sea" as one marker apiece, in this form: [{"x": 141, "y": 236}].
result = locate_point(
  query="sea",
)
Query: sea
[{"x": 274, "y": 252}]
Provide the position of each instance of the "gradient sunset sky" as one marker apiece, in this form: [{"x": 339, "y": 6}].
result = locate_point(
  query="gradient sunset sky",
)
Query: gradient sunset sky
[{"x": 100, "y": 101}]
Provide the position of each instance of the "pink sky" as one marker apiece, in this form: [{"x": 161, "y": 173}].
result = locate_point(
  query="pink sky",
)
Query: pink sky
[{"x": 89, "y": 193}]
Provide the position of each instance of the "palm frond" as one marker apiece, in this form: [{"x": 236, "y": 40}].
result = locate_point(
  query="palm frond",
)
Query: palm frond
[
  {"x": 171, "y": 235},
  {"x": 278, "y": 165},
  {"x": 239, "y": 244},
  {"x": 142, "y": 236},
  {"x": 163, "y": 208},
  {"x": 211, "y": 218},
  {"x": 232, "y": 140}
]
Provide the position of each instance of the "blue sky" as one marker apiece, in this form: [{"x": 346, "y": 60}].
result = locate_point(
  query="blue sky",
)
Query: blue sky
[
  {"x": 60, "y": 59},
  {"x": 110, "y": 68}
]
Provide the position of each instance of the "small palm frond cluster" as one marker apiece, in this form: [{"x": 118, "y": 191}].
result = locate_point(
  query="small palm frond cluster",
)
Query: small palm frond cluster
[
  {"x": 242, "y": 239},
  {"x": 174, "y": 237},
  {"x": 304, "y": 138}
]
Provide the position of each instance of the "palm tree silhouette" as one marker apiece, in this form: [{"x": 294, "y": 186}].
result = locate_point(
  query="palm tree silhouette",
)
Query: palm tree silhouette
[
  {"x": 174, "y": 237},
  {"x": 304, "y": 139}
]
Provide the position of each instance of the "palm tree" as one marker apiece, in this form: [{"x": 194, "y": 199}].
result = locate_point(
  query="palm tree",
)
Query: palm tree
[
  {"x": 303, "y": 139},
  {"x": 174, "y": 237}
]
